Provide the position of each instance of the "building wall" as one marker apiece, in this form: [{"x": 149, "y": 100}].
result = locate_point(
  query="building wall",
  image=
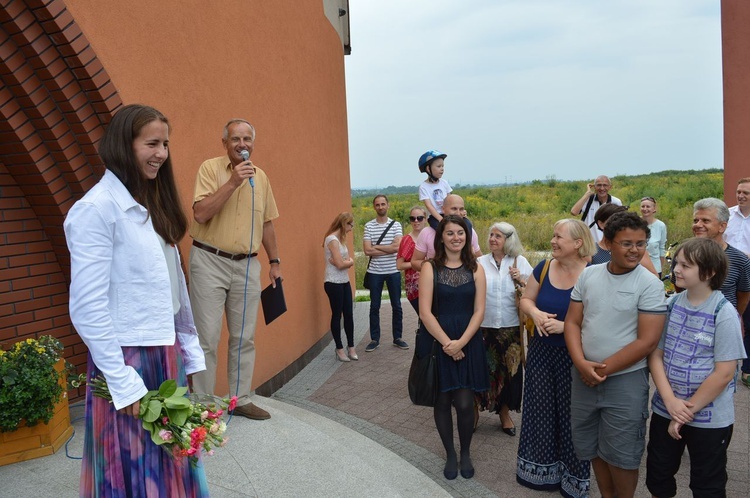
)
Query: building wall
[
  {"x": 735, "y": 38},
  {"x": 278, "y": 64}
]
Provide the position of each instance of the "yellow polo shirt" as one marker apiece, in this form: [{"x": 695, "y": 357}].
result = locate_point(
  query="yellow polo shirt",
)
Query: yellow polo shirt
[{"x": 229, "y": 229}]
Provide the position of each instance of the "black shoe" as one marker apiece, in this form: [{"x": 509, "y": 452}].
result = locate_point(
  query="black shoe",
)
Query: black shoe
[
  {"x": 511, "y": 431},
  {"x": 372, "y": 346},
  {"x": 467, "y": 468},
  {"x": 400, "y": 343},
  {"x": 450, "y": 471}
]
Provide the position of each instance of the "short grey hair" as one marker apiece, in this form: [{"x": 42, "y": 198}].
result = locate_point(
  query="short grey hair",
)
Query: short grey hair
[
  {"x": 225, "y": 133},
  {"x": 722, "y": 211},
  {"x": 512, "y": 246}
]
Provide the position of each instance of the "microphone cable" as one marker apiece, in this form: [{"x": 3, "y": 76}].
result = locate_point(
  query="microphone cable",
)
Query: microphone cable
[{"x": 244, "y": 297}]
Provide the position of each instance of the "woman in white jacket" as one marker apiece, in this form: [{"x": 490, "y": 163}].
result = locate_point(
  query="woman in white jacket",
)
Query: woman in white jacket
[{"x": 129, "y": 304}]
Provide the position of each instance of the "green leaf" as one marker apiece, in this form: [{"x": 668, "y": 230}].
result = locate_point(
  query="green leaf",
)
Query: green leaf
[
  {"x": 168, "y": 388},
  {"x": 178, "y": 416},
  {"x": 177, "y": 402},
  {"x": 153, "y": 411},
  {"x": 180, "y": 391},
  {"x": 148, "y": 396}
]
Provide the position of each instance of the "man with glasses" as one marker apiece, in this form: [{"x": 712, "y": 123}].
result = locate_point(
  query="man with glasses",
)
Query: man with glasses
[
  {"x": 710, "y": 219},
  {"x": 380, "y": 242},
  {"x": 597, "y": 194},
  {"x": 615, "y": 319}
]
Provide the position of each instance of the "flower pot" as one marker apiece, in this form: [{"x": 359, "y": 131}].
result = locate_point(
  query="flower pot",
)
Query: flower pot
[{"x": 41, "y": 440}]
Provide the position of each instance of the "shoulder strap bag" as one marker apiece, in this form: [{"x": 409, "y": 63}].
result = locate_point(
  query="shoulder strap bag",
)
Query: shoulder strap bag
[
  {"x": 423, "y": 374},
  {"x": 366, "y": 279},
  {"x": 529, "y": 320}
]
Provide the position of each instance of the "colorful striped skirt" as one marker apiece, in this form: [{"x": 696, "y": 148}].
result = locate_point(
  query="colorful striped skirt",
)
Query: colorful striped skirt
[{"x": 119, "y": 458}]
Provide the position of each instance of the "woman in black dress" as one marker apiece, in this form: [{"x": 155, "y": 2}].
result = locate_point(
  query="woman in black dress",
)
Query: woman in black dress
[{"x": 462, "y": 364}]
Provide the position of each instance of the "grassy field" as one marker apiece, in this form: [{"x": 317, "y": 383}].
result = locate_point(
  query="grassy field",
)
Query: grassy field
[{"x": 534, "y": 208}]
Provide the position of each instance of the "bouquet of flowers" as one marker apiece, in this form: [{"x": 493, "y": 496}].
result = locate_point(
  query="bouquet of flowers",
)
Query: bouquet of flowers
[{"x": 181, "y": 425}]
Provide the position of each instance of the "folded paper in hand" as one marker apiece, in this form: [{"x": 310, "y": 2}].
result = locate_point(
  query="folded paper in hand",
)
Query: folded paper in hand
[{"x": 272, "y": 299}]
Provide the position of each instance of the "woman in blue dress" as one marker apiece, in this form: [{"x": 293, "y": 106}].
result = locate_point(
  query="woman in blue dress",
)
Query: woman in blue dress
[
  {"x": 546, "y": 459},
  {"x": 462, "y": 364}
]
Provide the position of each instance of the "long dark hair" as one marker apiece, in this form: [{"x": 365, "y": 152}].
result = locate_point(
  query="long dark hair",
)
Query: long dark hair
[
  {"x": 158, "y": 196},
  {"x": 467, "y": 255}
]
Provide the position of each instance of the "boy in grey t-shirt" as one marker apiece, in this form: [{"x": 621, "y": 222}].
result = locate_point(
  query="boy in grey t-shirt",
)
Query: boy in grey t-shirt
[
  {"x": 614, "y": 321},
  {"x": 694, "y": 369}
]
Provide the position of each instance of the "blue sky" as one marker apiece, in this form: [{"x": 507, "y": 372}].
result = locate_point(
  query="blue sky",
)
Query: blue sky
[{"x": 517, "y": 90}]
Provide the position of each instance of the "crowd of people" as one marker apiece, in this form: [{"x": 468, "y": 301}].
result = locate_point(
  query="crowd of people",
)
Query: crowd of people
[
  {"x": 578, "y": 369},
  {"x": 602, "y": 326}
]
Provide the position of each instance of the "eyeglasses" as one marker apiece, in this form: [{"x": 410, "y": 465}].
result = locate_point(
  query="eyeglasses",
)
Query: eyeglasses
[
  {"x": 648, "y": 199},
  {"x": 627, "y": 245},
  {"x": 416, "y": 218}
]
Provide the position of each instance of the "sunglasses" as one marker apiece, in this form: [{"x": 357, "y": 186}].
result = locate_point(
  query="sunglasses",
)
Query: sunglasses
[
  {"x": 416, "y": 218},
  {"x": 648, "y": 199}
]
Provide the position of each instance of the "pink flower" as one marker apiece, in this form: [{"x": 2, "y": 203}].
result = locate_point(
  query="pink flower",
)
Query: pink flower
[
  {"x": 164, "y": 420},
  {"x": 211, "y": 453},
  {"x": 223, "y": 442},
  {"x": 232, "y": 403},
  {"x": 165, "y": 435},
  {"x": 191, "y": 451}
]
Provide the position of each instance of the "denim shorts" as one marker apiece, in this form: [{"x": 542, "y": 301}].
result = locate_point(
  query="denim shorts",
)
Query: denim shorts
[{"x": 609, "y": 420}]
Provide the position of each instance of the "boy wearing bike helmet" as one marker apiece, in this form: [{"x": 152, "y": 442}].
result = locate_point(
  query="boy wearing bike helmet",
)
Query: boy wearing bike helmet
[{"x": 434, "y": 189}]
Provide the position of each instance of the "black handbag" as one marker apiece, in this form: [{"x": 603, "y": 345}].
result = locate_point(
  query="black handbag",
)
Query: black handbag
[
  {"x": 423, "y": 372},
  {"x": 366, "y": 278}
]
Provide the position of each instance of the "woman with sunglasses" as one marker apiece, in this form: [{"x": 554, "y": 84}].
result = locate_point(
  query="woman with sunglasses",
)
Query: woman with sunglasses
[
  {"x": 417, "y": 219},
  {"x": 657, "y": 243}
]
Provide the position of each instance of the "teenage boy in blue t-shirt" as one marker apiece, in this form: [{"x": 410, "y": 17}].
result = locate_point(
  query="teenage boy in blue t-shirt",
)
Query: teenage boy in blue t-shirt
[{"x": 694, "y": 369}]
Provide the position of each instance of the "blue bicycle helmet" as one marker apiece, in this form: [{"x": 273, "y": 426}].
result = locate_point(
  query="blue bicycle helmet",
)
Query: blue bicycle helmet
[{"x": 427, "y": 158}]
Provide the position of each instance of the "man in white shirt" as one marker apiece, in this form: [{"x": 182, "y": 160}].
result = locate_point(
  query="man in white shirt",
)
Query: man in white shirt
[
  {"x": 737, "y": 235},
  {"x": 597, "y": 193}
]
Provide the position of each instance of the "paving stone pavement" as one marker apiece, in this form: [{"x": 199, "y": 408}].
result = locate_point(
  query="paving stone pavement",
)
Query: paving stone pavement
[{"x": 370, "y": 397}]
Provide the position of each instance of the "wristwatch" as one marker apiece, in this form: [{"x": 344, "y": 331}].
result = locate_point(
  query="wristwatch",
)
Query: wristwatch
[{"x": 274, "y": 260}]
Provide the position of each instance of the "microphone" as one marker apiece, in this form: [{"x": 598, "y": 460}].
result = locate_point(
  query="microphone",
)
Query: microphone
[{"x": 245, "y": 156}]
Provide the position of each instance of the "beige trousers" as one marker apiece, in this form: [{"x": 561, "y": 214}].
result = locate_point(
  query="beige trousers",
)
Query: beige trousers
[{"x": 217, "y": 285}]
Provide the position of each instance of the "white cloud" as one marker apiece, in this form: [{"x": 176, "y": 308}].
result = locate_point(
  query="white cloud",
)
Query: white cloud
[{"x": 533, "y": 88}]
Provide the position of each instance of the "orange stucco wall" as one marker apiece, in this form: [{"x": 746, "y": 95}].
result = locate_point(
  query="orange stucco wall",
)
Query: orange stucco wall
[
  {"x": 735, "y": 34},
  {"x": 278, "y": 64}
]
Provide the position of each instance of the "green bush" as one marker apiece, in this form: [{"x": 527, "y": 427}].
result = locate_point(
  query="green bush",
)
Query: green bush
[
  {"x": 29, "y": 383},
  {"x": 533, "y": 208}
]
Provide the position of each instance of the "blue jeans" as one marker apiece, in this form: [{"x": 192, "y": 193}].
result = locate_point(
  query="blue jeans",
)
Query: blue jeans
[{"x": 393, "y": 282}]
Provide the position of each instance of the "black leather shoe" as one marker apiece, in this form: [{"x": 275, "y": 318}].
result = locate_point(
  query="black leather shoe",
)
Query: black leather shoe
[{"x": 511, "y": 431}]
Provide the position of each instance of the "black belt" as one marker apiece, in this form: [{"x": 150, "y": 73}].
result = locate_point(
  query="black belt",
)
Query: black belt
[{"x": 223, "y": 254}]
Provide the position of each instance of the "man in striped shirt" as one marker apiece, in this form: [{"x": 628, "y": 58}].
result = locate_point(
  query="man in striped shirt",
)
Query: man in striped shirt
[
  {"x": 710, "y": 217},
  {"x": 380, "y": 242}
]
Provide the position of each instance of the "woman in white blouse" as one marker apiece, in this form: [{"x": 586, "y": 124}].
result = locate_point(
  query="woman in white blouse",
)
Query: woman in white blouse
[
  {"x": 657, "y": 242},
  {"x": 337, "y": 285},
  {"x": 501, "y": 330},
  {"x": 129, "y": 303}
]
